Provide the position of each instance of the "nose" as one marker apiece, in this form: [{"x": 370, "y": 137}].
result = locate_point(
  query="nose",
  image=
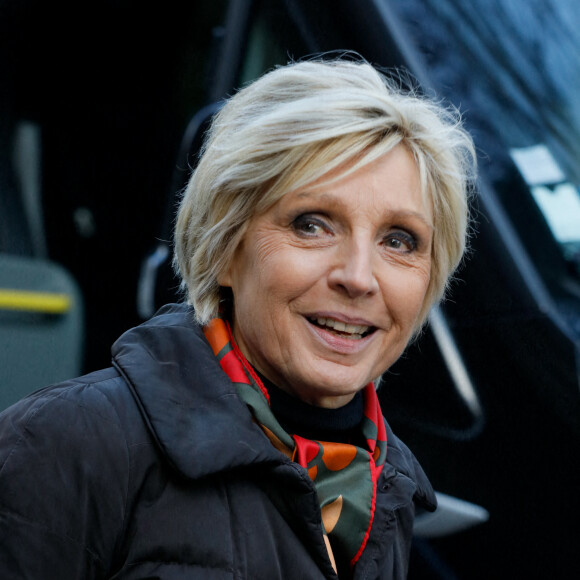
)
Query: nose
[{"x": 352, "y": 271}]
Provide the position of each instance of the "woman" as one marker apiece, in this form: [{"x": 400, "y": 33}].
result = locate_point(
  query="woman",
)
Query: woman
[{"x": 240, "y": 435}]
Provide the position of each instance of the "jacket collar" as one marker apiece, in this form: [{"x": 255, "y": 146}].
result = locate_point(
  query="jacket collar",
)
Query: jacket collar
[
  {"x": 401, "y": 461},
  {"x": 192, "y": 409},
  {"x": 190, "y": 405}
]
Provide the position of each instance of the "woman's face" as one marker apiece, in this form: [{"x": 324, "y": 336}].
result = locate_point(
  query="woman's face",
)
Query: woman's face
[{"x": 329, "y": 282}]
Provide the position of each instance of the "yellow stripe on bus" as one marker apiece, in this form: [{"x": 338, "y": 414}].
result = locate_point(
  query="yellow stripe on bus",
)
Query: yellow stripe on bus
[{"x": 29, "y": 301}]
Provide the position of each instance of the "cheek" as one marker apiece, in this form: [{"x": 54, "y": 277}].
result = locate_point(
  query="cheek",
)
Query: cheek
[
  {"x": 404, "y": 293},
  {"x": 287, "y": 272},
  {"x": 266, "y": 285}
]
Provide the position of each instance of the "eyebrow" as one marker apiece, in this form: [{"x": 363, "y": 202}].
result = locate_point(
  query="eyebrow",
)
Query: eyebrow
[{"x": 415, "y": 214}]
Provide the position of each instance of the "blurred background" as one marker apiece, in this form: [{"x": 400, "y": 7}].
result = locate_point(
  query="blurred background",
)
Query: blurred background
[{"x": 102, "y": 109}]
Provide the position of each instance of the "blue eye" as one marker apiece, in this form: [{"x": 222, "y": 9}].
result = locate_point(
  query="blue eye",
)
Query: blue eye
[
  {"x": 309, "y": 225},
  {"x": 401, "y": 241}
]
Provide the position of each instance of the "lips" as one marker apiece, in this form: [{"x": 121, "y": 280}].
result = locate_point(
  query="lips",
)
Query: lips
[{"x": 341, "y": 328}]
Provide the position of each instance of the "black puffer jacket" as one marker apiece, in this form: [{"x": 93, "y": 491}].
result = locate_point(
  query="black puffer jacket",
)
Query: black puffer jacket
[{"x": 154, "y": 469}]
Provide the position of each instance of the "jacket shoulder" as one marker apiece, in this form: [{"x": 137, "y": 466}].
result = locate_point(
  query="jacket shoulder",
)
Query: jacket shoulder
[{"x": 65, "y": 458}]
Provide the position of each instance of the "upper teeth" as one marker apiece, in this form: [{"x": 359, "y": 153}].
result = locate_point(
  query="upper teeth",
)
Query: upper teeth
[{"x": 342, "y": 326}]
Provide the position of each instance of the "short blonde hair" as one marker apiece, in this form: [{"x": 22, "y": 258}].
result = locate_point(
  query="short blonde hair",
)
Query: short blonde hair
[{"x": 291, "y": 127}]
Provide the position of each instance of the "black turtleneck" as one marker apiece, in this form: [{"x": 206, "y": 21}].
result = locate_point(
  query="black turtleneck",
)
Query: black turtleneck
[{"x": 341, "y": 425}]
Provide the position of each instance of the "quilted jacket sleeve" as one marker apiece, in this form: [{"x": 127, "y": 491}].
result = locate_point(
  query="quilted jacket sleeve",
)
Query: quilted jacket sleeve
[{"x": 63, "y": 484}]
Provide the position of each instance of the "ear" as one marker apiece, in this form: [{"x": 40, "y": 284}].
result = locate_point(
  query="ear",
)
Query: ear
[{"x": 225, "y": 278}]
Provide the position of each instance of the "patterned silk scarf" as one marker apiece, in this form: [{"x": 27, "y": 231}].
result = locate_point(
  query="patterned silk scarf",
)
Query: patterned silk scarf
[{"x": 345, "y": 476}]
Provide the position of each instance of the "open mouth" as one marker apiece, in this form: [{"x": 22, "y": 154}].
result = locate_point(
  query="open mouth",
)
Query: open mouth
[{"x": 351, "y": 331}]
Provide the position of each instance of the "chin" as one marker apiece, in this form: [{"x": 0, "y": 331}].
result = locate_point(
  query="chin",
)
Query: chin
[{"x": 331, "y": 387}]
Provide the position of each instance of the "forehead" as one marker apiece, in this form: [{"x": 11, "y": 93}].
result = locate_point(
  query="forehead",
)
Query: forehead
[{"x": 390, "y": 183}]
